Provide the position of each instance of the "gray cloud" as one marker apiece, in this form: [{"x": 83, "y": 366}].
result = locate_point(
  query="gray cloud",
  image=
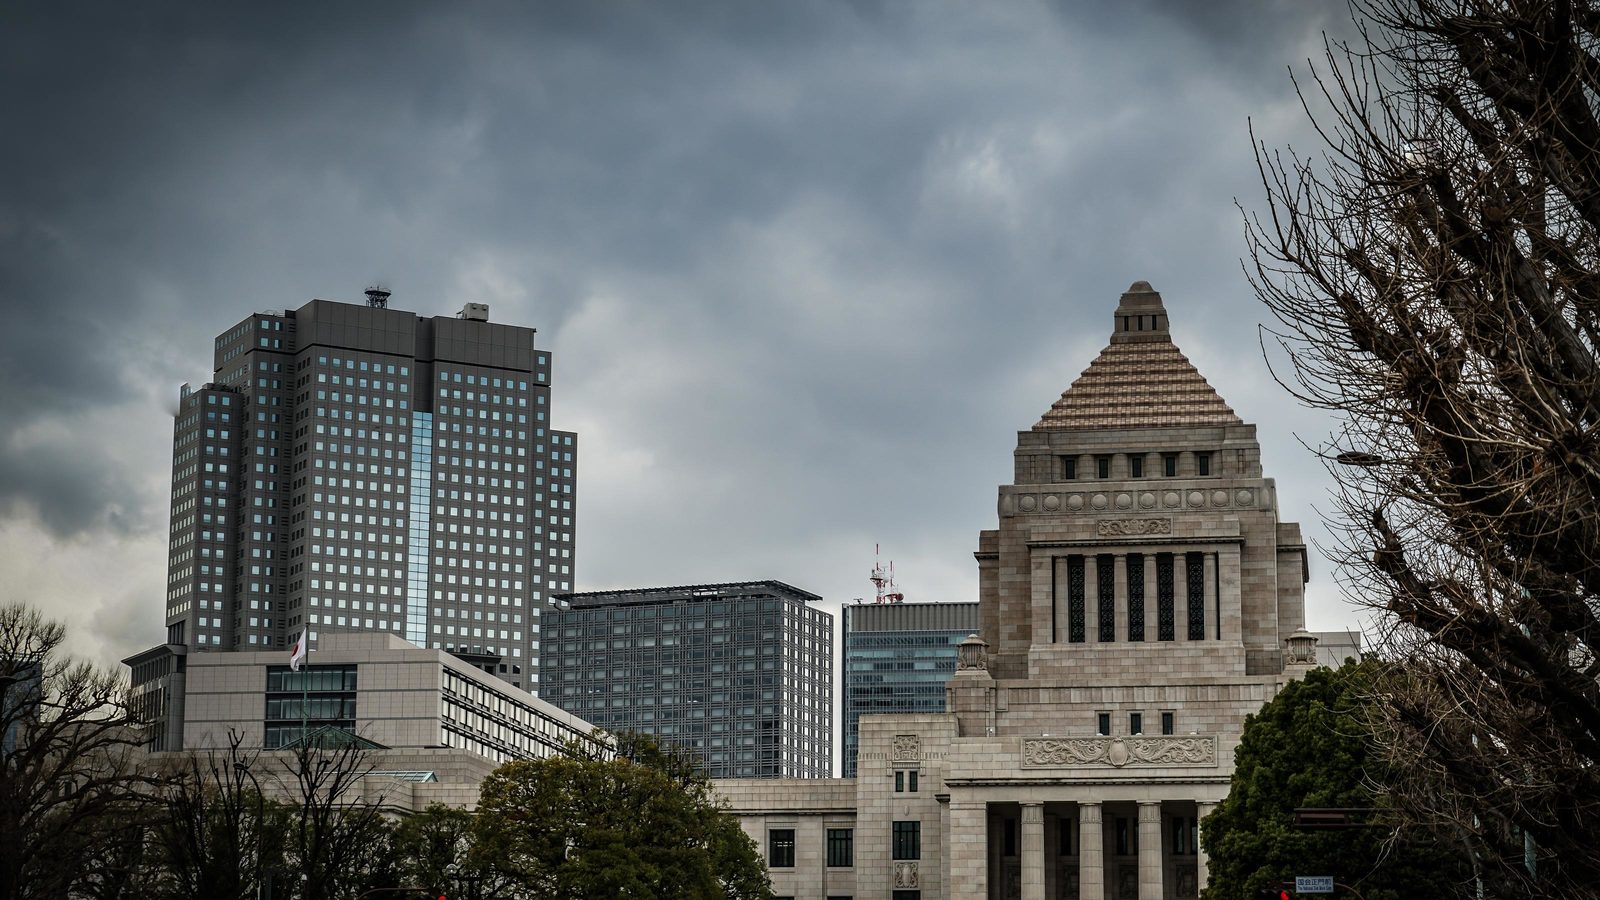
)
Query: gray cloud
[{"x": 807, "y": 267}]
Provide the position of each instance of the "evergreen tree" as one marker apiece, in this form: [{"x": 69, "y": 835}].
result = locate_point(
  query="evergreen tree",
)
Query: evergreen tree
[{"x": 1310, "y": 747}]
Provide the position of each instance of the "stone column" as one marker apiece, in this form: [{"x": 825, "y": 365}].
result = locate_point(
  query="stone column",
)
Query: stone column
[
  {"x": 1042, "y": 580},
  {"x": 1180, "y": 596},
  {"x": 1232, "y": 600},
  {"x": 1150, "y": 887},
  {"x": 1091, "y": 599},
  {"x": 1121, "y": 592},
  {"x": 969, "y": 846},
  {"x": 1033, "y": 850},
  {"x": 1091, "y": 858},
  {"x": 1149, "y": 594},
  {"x": 1204, "y": 808},
  {"x": 1213, "y": 614}
]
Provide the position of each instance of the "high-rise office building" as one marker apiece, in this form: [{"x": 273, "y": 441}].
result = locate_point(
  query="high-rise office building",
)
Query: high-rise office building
[
  {"x": 357, "y": 468},
  {"x": 738, "y": 675},
  {"x": 897, "y": 658}
]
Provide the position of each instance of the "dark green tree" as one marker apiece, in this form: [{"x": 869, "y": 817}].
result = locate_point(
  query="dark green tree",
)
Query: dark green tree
[
  {"x": 1311, "y": 747},
  {"x": 439, "y": 849},
  {"x": 639, "y": 824}
]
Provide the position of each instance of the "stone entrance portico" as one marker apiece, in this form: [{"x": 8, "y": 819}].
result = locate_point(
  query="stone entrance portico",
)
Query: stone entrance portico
[
  {"x": 1138, "y": 599},
  {"x": 1074, "y": 844}
]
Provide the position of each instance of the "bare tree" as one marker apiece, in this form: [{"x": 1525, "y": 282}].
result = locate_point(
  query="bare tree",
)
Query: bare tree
[
  {"x": 68, "y": 748},
  {"x": 216, "y": 834},
  {"x": 339, "y": 841},
  {"x": 1436, "y": 274}
]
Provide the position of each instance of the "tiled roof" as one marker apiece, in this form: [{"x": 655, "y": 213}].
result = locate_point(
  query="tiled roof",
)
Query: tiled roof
[{"x": 1141, "y": 379}]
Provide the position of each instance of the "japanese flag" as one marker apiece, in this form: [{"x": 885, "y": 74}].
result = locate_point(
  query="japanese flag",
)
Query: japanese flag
[{"x": 297, "y": 654}]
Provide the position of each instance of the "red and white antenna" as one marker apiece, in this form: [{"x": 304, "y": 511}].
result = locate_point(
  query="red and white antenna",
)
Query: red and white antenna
[{"x": 884, "y": 581}]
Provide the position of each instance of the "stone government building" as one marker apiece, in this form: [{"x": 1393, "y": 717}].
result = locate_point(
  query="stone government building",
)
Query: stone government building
[{"x": 1139, "y": 598}]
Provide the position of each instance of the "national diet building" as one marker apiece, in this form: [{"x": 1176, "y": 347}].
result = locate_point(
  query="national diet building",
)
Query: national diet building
[{"x": 1138, "y": 598}]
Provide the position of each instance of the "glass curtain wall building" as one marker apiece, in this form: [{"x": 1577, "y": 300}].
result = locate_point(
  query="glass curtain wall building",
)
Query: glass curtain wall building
[
  {"x": 356, "y": 468},
  {"x": 897, "y": 657},
  {"x": 737, "y": 675}
]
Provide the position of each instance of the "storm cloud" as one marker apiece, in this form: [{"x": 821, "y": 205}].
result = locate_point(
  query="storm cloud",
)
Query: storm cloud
[{"x": 806, "y": 268}]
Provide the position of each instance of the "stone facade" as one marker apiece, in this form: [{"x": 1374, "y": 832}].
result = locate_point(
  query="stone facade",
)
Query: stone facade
[{"x": 1138, "y": 599}]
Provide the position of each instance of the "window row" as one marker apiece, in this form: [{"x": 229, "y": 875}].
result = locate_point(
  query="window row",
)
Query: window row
[
  {"x": 1133, "y": 465},
  {"x": 1135, "y": 723}
]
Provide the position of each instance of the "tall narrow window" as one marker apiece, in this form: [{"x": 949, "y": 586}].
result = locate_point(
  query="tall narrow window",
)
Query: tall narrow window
[
  {"x": 1135, "y": 596},
  {"x": 1136, "y": 467},
  {"x": 907, "y": 840},
  {"x": 1102, "y": 723},
  {"x": 1166, "y": 723},
  {"x": 1184, "y": 830},
  {"x": 1069, "y": 468},
  {"x": 1106, "y": 575},
  {"x": 1202, "y": 463},
  {"x": 780, "y": 848},
  {"x": 1165, "y": 627},
  {"x": 1075, "y": 600},
  {"x": 1136, "y": 723},
  {"x": 1127, "y": 837},
  {"x": 1169, "y": 464},
  {"x": 1195, "y": 563},
  {"x": 841, "y": 847},
  {"x": 1102, "y": 466},
  {"x": 899, "y": 781}
]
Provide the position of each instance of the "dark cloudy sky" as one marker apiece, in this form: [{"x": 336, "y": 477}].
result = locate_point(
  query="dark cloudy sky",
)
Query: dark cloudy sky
[{"x": 806, "y": 268}]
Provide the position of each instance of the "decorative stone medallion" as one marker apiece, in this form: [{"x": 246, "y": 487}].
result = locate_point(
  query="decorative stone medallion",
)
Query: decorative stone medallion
[
  {"x": 1027, "y": 503},
  {"x": 1170, "y": 498},
  {"x": 1074, "y": 501},
  {"x": 1132, "y": 527},
  {"x": 1052, "y": 502},
  {"x": 1099, "y": 501},
  {"x": 1147, "y": 500},
  {"x": 905, "y": 874},
  {"x": 1047, "y": 753},
  {"x": 905, "y": 748},
  {"x": 1246, "y": 498}
]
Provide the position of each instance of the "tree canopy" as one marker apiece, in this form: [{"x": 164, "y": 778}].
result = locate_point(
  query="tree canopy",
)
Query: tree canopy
[
  {"x": 1310, "y": 747},
  {"x": 641, "y": 825},
  {"x": 1435, "y": 270}
]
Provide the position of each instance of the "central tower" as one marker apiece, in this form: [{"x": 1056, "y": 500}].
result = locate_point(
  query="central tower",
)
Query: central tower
[{"x": 1139, "y": 536}]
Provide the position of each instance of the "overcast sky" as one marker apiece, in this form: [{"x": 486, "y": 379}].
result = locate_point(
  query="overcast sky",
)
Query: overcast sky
[{"x": 806, "y": 268}]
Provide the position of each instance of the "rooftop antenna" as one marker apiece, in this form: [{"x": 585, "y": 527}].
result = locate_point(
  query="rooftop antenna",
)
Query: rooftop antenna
[
  {"x": 377, "y": 297},
  {"x": 884, "y": 580}
]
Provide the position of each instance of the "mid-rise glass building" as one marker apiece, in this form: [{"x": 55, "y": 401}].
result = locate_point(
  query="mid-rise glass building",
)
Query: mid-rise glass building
[
  {"x": 740, "y": 676},
  {"x": 897, "y": 657}
]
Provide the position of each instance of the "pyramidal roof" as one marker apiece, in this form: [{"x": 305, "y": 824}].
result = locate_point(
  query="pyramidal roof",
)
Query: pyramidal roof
[{"x": 1140, "y": 380}]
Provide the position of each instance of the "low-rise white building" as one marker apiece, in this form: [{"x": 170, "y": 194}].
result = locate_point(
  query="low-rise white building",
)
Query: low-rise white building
[{"x": 430, "y": 720}]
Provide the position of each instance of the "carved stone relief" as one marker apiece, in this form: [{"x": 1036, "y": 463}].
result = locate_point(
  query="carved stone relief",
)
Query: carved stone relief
[
  {"x": 905, "y": 747},
  {"x": 1118, "y": 752},
  {"x": 1132, "y": 527}
]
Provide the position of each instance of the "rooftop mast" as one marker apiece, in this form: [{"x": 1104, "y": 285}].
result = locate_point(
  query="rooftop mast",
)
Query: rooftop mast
[{"x": 884, "y": 580}]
